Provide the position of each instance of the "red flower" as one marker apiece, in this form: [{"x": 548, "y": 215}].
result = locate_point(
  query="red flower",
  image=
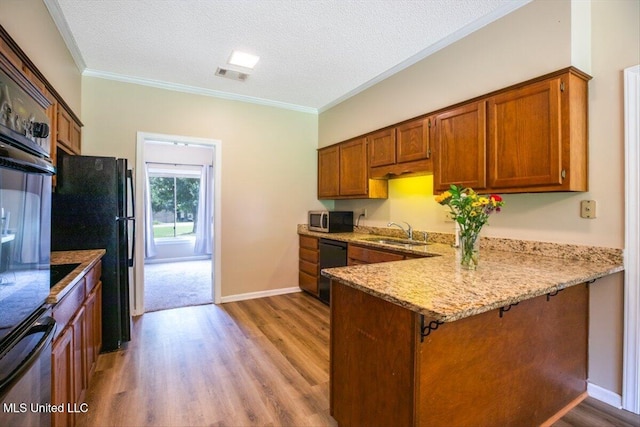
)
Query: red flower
[{"x": 495, "y": 197}]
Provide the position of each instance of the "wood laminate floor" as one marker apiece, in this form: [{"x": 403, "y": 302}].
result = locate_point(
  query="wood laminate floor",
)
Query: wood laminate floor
[{"x": 262, "y": 362}]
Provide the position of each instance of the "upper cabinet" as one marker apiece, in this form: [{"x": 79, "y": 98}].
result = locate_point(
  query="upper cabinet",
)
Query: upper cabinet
[
  {"x": 68, "y": 130},
  {"x": 343, "y": 173},
  {"x": 401, "y": 149},
  {"x": 530, "y": 137},
  {"x": 459, "y": 140},
  {"x": 537, "y": 136}
]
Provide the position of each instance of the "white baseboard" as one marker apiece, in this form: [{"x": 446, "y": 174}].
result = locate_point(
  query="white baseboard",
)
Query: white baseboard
[
  {"x": 261, "y": 294},
  {"x": 604, "y": 395}
]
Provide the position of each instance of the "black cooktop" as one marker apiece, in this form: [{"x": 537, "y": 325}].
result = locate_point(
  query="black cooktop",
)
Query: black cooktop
[{"x": 60, "y": 271}]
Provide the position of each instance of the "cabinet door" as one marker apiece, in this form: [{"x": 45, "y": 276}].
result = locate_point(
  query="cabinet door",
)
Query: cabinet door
[
  {"x": 382, "y": 147},
  {"x": 68, "y": 130},
  {"x": 353, "y": 168},
  {"x": 62, "y": 355},
  {"x": 412, "y": 141},
  {"x": 525, "y": 146},
  {"x": 328, "y": 172},
  {"x": 80, "y": 372},
  {"x": 460, "y": 147}
]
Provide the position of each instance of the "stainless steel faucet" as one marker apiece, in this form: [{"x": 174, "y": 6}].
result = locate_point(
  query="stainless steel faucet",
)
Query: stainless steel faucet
[{"x": 409, "y": 229}]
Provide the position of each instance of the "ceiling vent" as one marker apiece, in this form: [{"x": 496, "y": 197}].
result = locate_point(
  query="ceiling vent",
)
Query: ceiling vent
[{"x": 231, "y": 74}]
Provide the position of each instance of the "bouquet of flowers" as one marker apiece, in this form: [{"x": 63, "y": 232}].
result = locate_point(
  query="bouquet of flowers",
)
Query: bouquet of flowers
[{"x": 471, "y": 211}]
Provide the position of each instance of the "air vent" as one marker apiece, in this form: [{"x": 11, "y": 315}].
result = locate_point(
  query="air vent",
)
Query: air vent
[{"x": 231, "y": 74}]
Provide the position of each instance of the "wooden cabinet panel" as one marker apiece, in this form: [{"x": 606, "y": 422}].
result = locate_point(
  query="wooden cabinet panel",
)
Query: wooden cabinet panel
[
  {"x": 382, "y": 147},
  {"x": 62, "y": 362},
  {"x": 363, "y": 255},
  {"x": 412, "y": 141},
  {"x": 309, "y": 264},
  {"x": 68, "y": 131},
  {"x": 329, "y": 172},
  {"x": 525, "y": 146},
  {"x": 80, "y": 371},
  {"x": 459, "y": 142},
  {"x": 343, "y": 173},
  {"x": 353, "y": 168},
  {"x": 75, "y": 350}
]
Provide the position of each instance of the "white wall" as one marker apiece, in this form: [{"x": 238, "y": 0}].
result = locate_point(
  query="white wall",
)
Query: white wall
[
  {"x": 541, "y": 37},
  {"x": 268, "y": 168}
]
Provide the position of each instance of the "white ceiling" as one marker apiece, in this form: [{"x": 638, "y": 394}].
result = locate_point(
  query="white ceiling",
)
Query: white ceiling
[{"x": 313, "y": 53}]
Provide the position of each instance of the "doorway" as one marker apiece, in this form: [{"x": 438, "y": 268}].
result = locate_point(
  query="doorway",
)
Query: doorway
[{"x": 178, "y": 184}]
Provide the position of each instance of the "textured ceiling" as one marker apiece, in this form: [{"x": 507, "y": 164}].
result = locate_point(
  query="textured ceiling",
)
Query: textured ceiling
[{"x": 313, "y": 53}]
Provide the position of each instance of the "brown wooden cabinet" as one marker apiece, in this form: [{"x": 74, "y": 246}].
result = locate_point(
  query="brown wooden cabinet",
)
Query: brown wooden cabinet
[
  {"x": 62, "y": 379},
  {"x": 530, "y": 137},
  {"x": 401, "y": 149},
  {"x": 309, "y": 265},
  {"x": 68, "y": 131},
  {"x": 76, "y": 347},
  {"x": 459, "y": 140},
  {"x": 538, "y": 135},
  {"x": 343, "y": 173},
  {"x": 366, "y": 255},
  {"x": 392, "y": 366}
]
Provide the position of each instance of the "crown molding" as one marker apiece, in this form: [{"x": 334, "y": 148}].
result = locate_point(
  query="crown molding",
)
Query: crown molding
[
  {"x": 197, "y": 90},
  {"x": 65, "y": 32}
]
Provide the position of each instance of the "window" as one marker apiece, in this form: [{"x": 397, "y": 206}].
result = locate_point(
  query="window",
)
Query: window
[{"x": 174, "y": 203}]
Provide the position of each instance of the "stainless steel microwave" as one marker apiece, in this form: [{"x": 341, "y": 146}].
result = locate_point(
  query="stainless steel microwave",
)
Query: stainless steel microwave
[{"x": 331, "y": 221}]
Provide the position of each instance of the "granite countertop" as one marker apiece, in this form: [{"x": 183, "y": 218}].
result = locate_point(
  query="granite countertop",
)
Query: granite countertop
[
  {"x": 86, "y": 258},
  {"x": 510, "y": 271}
]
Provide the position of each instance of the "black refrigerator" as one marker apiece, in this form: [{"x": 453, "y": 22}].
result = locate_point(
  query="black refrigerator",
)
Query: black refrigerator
[{"x": 92, "y": 208}]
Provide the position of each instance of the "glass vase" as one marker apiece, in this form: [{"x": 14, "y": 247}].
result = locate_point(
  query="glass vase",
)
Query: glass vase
[{"x": 469, "y": 250}]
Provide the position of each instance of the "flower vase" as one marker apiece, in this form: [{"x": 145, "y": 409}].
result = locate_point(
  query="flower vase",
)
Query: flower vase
[{"x": 469, "y": 250}]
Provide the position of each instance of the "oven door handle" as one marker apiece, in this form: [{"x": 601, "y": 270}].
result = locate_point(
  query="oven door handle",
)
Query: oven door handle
[{"x": 48, "y": 326}]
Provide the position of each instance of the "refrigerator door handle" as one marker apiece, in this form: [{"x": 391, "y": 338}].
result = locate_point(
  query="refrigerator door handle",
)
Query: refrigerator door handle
[{"x": 132, "y": 218}]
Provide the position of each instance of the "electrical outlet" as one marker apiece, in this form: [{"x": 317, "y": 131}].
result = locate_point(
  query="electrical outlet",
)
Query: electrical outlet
[
  {"x": 446, "y": 216},
  {"x": 364, "y": 213},
  {"x": 588, "y": 209}
]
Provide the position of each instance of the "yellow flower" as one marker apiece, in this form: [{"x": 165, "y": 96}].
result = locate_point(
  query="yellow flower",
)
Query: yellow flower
[
  {"x": 476, "y": 204},
  {"x": 484, "y": 201},
  {"x": 442, "y": 197},
  {"x": 473, "y": 213}
]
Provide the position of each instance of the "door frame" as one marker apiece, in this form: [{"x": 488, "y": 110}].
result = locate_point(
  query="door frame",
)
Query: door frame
[
  {"x": 137, "y": 300},
  {"x": 631, "y": 350}
]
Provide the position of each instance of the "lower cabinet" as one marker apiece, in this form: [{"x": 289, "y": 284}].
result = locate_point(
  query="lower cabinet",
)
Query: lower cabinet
[
  {"x": 365, "y": 255},
  {"x": 76, "y": 347},
  {"x": 309, "y": 268}
]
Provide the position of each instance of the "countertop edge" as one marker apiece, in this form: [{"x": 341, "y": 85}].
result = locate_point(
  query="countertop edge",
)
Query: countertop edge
[{"x": 87, "y": 260}]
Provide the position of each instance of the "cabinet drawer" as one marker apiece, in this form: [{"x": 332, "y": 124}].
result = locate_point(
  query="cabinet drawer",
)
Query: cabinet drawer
[
  {"x": 309, "y": 255},
  {"x": 309, "y": 242},
  {"x": 308, "y": 283},
  {"x": 371, "y": 256},
  {"x": 309, "y": 268},
  {"x": 65, "y": 309},
  {"x": 93, "y": 277}
]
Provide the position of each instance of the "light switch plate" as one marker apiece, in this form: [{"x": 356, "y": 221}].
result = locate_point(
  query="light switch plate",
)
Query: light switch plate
[{"x": 588, "y": 209}]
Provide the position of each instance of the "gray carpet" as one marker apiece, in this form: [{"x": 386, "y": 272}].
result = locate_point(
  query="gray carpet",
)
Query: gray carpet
[{"x": 177, "y": 284}]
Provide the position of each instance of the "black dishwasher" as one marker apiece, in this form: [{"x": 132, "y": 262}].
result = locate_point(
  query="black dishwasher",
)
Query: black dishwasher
[{"x": 332, "y": 254}]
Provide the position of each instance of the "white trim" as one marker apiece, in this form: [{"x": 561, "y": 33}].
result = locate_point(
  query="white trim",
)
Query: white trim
[
  {"x": 631, "y": 352},
  {"x": 261, "y": 294},
  {"x": 604, "y": 395},
  {"x": 181, "y": 259},
  {"x": 65, "y": 32},
  {"x": 196, "y": 90},
  {"x": 441, "y": 44},
  {"x": 138, "y": 291}
]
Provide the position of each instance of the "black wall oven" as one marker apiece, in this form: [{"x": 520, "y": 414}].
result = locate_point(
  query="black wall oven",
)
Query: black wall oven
[{"x": 26, "y": 327}]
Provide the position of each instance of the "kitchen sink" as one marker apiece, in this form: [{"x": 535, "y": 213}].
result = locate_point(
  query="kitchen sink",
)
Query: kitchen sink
[{"x": 396, "y": 242}]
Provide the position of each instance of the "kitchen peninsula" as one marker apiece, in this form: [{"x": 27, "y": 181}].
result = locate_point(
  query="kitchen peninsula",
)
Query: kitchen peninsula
[{"x": 423, "y": 342}]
